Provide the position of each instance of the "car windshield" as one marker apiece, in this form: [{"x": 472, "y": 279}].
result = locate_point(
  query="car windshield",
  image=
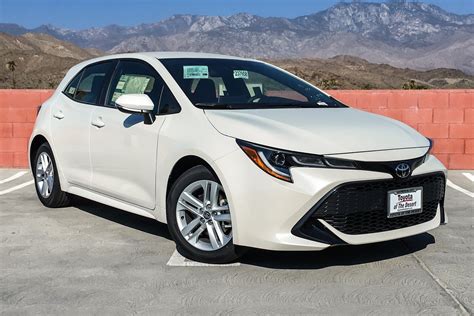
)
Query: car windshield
[{"x": 240, "y": 84}]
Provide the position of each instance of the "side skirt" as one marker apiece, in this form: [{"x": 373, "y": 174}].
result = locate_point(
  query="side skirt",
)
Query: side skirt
[{"x": 97, "y": 197}]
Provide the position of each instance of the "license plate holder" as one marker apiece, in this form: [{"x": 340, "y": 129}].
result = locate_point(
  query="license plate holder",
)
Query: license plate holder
[{"x": 403, "y": 202}]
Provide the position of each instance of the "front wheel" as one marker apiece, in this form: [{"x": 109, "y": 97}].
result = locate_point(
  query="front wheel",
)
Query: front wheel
[
  {"x": 199, "y": 217},
  {"x": 46, "y": 176}
]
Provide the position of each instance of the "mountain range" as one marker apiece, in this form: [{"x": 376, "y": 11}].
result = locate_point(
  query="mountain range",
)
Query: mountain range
[
  {"x": 403, "y": 34},
  {"x": 42, "y": 60}
]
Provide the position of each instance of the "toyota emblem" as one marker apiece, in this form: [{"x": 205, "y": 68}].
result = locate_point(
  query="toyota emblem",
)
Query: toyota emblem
[{"x": 403, "y": 170}]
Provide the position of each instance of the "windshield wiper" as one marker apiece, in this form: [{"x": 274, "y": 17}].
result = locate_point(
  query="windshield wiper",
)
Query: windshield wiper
[
  {"x": 302, "y": 105},
  {"x": 250, "y": 106},
  {"x": 210, "y": 105},
  {"x": 245, "y": 106}
]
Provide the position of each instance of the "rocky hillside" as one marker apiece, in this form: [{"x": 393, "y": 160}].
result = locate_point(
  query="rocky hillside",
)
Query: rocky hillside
[
  {"x": 399, "y": 33},
  {"x": 40, "y": 60},
  {"x": 346, "y": 72}
]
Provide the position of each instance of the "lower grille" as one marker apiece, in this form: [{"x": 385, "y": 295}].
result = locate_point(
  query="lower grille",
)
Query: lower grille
[{"x": 361, "y": 207}]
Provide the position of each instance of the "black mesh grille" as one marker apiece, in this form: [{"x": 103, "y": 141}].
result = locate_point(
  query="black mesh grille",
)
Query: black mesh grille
[{"x": 361, "y": 207}]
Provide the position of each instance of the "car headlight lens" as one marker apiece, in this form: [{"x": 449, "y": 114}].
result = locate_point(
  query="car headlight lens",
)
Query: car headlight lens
[{"x": 278, "y": 163}]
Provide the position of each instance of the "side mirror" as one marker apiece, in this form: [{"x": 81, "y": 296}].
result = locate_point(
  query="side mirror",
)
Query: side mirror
[{"x": 136, "y": 104}]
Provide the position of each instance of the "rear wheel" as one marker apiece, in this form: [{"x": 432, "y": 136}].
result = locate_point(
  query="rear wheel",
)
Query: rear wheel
[
  {"x": 199, "y": 217},
  {"x": 46, "y": 179}
]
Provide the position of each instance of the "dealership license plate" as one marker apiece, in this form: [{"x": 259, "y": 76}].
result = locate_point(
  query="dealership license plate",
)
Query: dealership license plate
[{"x": 405, "y": 202}]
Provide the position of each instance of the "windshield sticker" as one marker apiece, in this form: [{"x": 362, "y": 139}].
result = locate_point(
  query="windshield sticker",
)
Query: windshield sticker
[
  {"x": 195, "y": 72},
  {"x": 72, "y": 90},
  {"x": 322, "y": 103},
  {"x": 241, "y": 74}
]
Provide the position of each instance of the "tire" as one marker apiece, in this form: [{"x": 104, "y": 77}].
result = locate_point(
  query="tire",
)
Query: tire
[
  {"x": 51, "y": 194},
  {"x": 201, "y": 219}
]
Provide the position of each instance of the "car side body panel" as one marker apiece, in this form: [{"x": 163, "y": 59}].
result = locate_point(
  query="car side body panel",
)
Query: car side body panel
[
  {"x": 123, "y": 153},
  {"x": 70, "y": 122},
  {"x": 170, "y": 145},
  {"x": 201, "y": 141},
  {"x": 42, "y": 129}
]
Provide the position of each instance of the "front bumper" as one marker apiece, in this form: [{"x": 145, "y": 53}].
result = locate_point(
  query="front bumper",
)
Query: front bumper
[
  {"x": 360, "y": 208},
  {"x": 265, "y": 210}
]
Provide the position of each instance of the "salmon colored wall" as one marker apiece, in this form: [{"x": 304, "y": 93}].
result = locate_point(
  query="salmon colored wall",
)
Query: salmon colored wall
[
  {"x": 18, "y": 110},
  {"x": 447, "y": 116}
]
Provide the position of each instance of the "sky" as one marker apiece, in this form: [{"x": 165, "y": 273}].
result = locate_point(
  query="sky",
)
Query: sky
[{"x": 80, "y": 14}]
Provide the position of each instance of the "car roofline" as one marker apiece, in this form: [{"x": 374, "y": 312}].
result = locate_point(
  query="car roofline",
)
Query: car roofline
[{"x": 162, "y": 56}]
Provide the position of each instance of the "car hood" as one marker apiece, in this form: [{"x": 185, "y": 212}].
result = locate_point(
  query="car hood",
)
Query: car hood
[{"x": 317, "y": 130}]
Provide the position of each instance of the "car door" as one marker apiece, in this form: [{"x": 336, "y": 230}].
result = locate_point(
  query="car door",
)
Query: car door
[
  {"x": 70, "y": 122},
  {"x": 123, "y": 148}
]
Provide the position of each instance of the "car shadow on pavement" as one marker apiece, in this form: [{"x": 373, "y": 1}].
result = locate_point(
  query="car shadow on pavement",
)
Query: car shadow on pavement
[
  {"x": 346, "y": 255},
  {"x": 144, "y": 224}
]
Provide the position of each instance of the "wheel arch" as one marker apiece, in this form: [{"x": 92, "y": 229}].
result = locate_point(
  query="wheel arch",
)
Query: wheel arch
[
  {"x": 36, "y": 142},
  {"x": 184, "y": 164}
]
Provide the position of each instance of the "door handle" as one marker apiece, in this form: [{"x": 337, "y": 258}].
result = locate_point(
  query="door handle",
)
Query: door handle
[
  {"x": 59, "y": 115},
  {"x": 98, "y": 122}
]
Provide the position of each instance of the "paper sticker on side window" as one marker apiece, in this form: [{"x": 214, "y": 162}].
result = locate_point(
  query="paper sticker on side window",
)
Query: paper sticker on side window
[
  {"x": 241, "y": 74},
  {"x": 195, "y": 72},
  {"x": 129, "y": 84},
  {"x": 120, "y": 85}
]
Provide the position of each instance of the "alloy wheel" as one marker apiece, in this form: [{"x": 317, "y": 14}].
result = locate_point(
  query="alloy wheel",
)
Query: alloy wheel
[
  {"x": 203, "y": 215},
  {"x": 44, "y": 175}
]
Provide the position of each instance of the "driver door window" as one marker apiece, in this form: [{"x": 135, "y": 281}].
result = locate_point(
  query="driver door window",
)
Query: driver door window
[{"x": 133, "y": 77}]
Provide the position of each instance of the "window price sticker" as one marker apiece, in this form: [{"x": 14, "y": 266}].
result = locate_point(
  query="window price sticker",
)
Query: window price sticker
[{"x": 195, "y": 72}]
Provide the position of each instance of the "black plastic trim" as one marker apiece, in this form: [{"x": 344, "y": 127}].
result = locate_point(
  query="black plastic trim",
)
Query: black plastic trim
[
  {"x": 389, "y": 166},
  {"x": 443, "y": 214},
  {"x": 325, "y": 235},
  {"x": 378, "y": 166},
  {"x": 320, "y": 234}
]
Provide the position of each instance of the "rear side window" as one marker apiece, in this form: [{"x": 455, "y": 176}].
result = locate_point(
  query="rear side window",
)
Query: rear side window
[
  {"x": 72, "y": 87},
  {"x": 135, "y": 77},
  {"x": 92, "y": 82}
]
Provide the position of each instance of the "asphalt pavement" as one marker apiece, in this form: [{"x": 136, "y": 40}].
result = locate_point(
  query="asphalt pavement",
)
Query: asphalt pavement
[{"x": 94, "y": 259}]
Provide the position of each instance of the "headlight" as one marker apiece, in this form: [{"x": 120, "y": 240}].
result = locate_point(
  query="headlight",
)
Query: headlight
[{"x": 278, "y": 162}]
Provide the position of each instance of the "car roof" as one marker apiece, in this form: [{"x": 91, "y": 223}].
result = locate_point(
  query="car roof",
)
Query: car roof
[
  {"x": 161, "y": 55},
  {"x": 169, "y": 55}
]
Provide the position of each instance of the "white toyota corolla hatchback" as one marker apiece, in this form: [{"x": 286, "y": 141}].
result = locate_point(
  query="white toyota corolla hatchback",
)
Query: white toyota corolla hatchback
[{"x": 232, "y": 152}]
